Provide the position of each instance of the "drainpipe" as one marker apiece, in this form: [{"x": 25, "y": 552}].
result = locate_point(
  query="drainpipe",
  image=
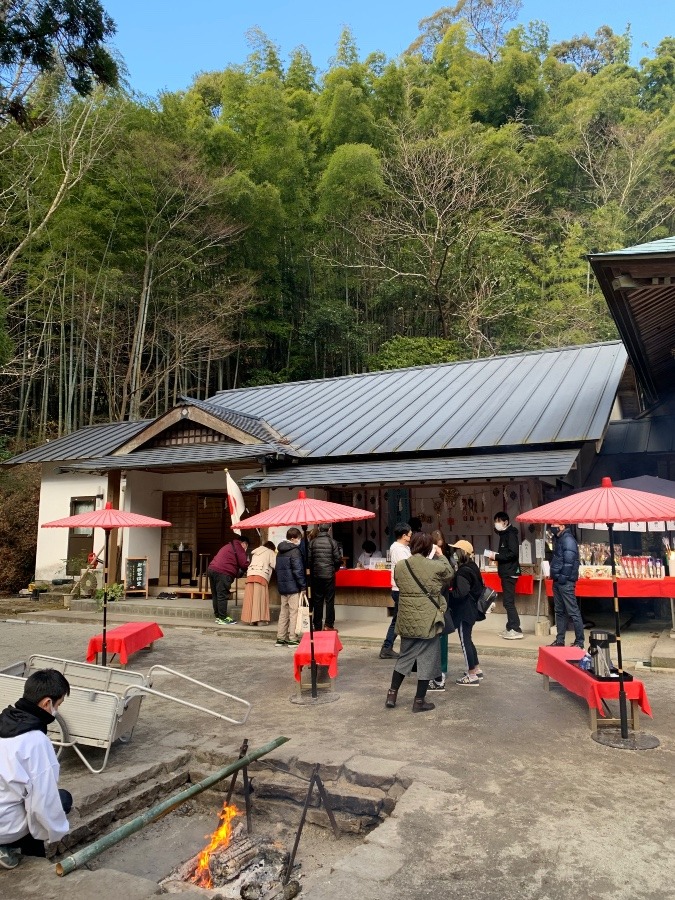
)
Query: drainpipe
[{"x": 70, "y": 863}]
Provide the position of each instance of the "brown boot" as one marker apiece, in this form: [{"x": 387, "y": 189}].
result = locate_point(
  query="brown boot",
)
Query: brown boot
[
  {"x": 391, "y": 698},
  {"x": 420, "y": 705}
]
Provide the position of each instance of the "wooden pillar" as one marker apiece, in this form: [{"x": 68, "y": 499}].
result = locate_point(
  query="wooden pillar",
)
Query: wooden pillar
[
  {"x": 264, "y": 506},
  {"x": 113, "y": 497}
]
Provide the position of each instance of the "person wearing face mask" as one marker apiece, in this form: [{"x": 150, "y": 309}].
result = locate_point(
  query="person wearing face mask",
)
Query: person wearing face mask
[
  {"x": 32, "y": 807},
  {"x": 508, "y": 569},
  {"x": 564, "y": 573}
]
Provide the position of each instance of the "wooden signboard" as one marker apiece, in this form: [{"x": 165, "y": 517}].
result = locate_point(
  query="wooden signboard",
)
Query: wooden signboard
[{"x": 136, "y": 576}]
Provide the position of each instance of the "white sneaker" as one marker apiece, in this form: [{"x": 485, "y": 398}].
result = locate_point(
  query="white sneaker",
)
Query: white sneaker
[
  {"x": 9, "y": 858},
  {"x": 513, "y": 635}
]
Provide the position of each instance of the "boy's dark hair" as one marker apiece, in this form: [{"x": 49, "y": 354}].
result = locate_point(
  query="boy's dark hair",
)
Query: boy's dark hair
[
  {"x": 401, "y": 528},
  {"x": 415, "y": 523},
  {"x": 368, "y": 546},
  {"x": 420, "y": 544},
  {"x": 501, "y": 517},
  {"x": 45, "y": 683},
  {"x": 293, "y": 534},
  {"x": 269, "y": 545}
]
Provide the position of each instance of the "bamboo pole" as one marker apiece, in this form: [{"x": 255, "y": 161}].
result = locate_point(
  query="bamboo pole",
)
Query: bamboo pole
[{"x": 70, "y": 863}]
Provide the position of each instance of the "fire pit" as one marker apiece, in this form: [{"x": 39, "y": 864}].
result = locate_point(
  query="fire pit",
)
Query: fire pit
[{"x": 235, "y": 865}]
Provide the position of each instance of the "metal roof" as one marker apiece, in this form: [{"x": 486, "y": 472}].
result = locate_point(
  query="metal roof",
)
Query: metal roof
[
  {"x": 534, "y": 398},
  {"x": 652, "y": 434},
  {"x": 639, "y": 286},
  {"x": 250, "y": 424},
  {"x": 457, "y": 468},
  {"x": 188, "y": 458},
  {"x": 91, "y": 441},
  {"x": 665, "y": 245}
]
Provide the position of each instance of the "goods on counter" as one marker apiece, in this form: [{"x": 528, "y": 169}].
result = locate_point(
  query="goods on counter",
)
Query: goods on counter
[
  {"x": 595, "y": 571},
  {"x": 641, "y": 567}
]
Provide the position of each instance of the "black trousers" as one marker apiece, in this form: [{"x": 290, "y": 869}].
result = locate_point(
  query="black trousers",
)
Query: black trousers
[
  {"x": 30, "y": 846},
  {"x": 220, "y": 592},
  {"x": 323, "y": 592},
  {"x": 509, "y": 601}
]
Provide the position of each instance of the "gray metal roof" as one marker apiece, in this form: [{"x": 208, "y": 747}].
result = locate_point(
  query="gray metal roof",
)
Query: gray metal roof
[
  {"x": 665, "y": 245},
  {"x": 494, "y": 465},
  {"x": 535, "y": 398},
  {"x": 88, "y": 442},
  {"x": 653, "y": 434},
  {"x": 188, "y": 458},
  {"x": 250, "y": 424}
]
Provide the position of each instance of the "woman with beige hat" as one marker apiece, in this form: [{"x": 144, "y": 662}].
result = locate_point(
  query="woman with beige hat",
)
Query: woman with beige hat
[{"x": 466, "y": 590}]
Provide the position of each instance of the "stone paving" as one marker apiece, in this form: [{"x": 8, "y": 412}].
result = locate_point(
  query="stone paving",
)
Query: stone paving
[{"x": 504, "y": 794}]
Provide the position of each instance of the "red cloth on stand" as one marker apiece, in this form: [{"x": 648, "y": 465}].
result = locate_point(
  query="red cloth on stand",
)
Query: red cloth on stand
[
  {"x": 125, "y": 640},
  {"x": 368, "y": 578},
  {"x": 327, "y": 645},
  {"x": 524, "y": 584},
  {"x": 626, "y": 587},
  {"x": 553, "y": 662}
]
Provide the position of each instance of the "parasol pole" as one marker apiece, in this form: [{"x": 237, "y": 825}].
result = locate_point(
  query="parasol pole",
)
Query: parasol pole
[
  {"x": 623, "y": 713},
  {"x": 104, "y": 641},
  {"x": 312, "y": 657}
]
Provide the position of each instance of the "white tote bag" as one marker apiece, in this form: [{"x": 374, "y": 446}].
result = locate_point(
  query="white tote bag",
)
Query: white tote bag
[{"x": 302, "y": 619}]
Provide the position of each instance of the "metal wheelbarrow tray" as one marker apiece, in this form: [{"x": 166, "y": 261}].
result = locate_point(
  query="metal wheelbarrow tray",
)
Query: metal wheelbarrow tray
[{"x": 104, "y": 703}]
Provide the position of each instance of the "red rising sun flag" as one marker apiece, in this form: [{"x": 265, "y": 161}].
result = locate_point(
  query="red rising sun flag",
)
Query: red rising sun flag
[{"x": 235, "y": 501}]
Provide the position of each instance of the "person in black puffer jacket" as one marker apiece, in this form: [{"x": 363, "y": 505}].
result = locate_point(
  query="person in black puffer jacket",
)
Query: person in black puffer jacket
[
  {"x": 466, "y": 590},
  {"x": 324, "y": 561},
  {"x": 290, "y": 581},
  {"x": 565, "y": 572},
  {"x": 508, "y": 569}
]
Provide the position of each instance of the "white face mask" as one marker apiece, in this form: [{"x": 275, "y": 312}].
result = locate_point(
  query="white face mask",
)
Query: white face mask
[{"x": 500, "y": 526}]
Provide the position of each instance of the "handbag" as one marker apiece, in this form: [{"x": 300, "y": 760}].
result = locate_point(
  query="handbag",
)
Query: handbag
[
  {"x": 485, "y": 601},
  {"x": 448, "y": 624},
  {"x": 302, "y": 618}
]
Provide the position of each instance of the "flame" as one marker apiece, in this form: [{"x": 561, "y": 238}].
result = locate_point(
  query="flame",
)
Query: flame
[{"x": 217, "y": 841}]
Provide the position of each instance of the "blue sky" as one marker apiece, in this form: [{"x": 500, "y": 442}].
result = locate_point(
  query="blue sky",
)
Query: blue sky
[{"x": 165, "y": 44}]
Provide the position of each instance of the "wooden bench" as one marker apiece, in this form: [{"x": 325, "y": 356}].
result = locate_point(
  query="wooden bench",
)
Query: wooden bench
[
  {"x": 124, "y": 640},
  {"x": 555, "y": 663}
]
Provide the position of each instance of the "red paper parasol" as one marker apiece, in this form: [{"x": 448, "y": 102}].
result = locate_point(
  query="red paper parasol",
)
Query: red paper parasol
[
  {"x": 606, "y": 505},
  {"x": 107, "y": 518},
  {"x": 306, "y": 511}
]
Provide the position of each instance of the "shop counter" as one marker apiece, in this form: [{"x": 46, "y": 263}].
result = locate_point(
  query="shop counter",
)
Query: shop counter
[
  {"x": 524, "y": 584},
  {"x": 363, "y": 578},
  {"x": 628, "y": 588}
]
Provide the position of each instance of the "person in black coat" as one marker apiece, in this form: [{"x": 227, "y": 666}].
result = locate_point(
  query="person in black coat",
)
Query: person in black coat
[
  {"x": 291, "y": 582},
  {"x": 508, "y": 569},
  {"x": 466, "y": 590},
  {"x": 564, "y": 573},
  {"x": 324, "y": 561}
]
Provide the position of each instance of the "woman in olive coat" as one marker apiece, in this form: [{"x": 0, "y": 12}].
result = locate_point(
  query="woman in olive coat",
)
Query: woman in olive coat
[{"x": 420, "y": 621}]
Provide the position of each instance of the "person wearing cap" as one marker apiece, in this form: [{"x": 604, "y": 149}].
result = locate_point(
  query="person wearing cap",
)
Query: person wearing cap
[{"x": 466, "y": 590}]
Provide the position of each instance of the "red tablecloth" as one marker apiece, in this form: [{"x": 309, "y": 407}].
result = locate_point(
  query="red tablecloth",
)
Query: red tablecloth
[
  {"x": 524, "y": 584},
  {"x": 553, "y": 662},
  {"x": 327, "y": 645},
  {"x": 626, "y": 587},
  {"x": 125, "y": 640},
  {"x": 368, "y": 578}
]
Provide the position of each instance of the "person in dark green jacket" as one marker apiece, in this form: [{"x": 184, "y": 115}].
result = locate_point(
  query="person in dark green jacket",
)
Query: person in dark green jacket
[{"x": 420, "y": 620}]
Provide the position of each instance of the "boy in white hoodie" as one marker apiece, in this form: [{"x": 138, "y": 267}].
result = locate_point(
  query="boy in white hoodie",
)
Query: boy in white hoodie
[{"x": 32, "y": 808}]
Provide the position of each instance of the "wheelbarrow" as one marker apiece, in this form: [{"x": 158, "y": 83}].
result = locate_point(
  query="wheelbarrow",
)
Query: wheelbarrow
[{"x": 103, "y": 704}]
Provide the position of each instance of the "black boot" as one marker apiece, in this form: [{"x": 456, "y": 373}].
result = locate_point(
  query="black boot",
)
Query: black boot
[
  {"x": 420, "y": 705},
  {"x": 391, "y": 698}
]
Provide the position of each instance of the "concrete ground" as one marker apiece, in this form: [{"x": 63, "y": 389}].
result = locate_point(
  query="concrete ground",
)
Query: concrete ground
[{"x": 508, "y": 795}]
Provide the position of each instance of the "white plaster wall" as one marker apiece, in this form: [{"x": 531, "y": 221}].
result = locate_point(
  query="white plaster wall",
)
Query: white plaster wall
[
  {"x": 143, "y": 495},
  {"x": 278, "y": 496},
  {"x": 55, "y": 493}
]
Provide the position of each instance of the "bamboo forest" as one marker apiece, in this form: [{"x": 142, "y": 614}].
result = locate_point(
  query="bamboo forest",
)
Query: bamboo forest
[{"x": 273, "y": 222}]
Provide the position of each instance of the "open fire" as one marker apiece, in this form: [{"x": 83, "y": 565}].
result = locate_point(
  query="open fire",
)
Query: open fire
[
  {"x": 220, "y": 840},
  {"x": 237, "y": 865}
]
